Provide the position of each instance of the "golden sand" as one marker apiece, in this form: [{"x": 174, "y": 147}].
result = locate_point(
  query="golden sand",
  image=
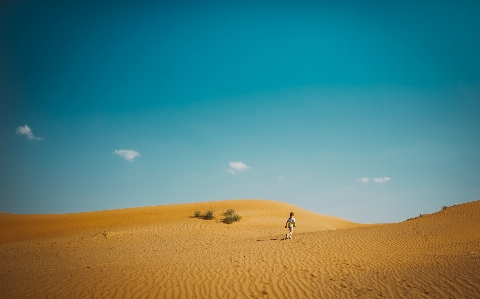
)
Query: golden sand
[{"x": 164, "y": 252}]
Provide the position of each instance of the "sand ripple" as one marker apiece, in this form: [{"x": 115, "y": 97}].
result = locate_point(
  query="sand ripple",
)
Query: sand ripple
[{"x": 163, "y": 252}]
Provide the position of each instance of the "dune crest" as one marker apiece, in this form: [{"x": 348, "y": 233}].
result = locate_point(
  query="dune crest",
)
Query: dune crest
[
  {"x": 164, "y": 252},
  {"x": 256, "y": 214}
]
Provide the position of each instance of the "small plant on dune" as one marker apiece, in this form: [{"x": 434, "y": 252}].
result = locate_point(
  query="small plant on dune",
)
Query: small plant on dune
[
  {"x": 230, "y": 216},
  {"x": 444, "y": 208},
  {"x": 208, "y": 215},
  {"x": 196, "y": 214}
]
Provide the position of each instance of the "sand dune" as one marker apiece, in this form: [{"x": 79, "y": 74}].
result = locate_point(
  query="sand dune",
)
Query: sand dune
[{"x": 164, "y": 252}]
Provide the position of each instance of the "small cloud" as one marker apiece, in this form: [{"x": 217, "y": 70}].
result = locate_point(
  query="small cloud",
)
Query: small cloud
[
  {"x": 128, "y": 155},
  {"x": 281, "y": 178},
  {"x": 237, "y": 166},
  {"x": 25, "y": 130},
  {"x": 363, "y": 180},
  {"x": 381, "y": 180}
]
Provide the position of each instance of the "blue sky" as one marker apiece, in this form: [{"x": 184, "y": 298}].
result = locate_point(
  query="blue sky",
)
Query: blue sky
[{"x": 364, "y": 111}]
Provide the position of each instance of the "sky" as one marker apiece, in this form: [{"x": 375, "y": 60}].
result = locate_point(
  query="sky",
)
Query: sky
[{"x": 367, "y": 111}]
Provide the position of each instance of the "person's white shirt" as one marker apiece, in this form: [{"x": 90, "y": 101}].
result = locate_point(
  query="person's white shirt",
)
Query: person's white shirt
[{"x": 291, "y": 221}]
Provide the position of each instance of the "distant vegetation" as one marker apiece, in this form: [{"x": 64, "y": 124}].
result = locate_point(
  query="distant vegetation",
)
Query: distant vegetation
[
  {"x": 230, "y": 216},
  {"x": 443, "y": 209},
  {"x": 207, "y": 216}
]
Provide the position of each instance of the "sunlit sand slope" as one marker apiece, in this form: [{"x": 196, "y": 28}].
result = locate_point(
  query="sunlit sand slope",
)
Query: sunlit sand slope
[
  {"x": 164, "y": 252},
  {"x": 264, "y": 215}
]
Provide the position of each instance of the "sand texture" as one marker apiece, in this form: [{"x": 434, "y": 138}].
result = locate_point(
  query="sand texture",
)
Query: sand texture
[{"x": 164, "y": 252}]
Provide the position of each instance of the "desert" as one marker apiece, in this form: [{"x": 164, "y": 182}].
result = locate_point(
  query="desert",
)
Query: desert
[{"x": 166, "y": 252}]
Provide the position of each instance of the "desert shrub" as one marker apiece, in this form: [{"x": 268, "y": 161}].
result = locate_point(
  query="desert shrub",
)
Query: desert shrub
[
  {"x": 208, "y": 215},
  {"x": 232, "y": 218},
  {"x": 229, "y": 212},
  {"x": 444, "y": 207},
  {"x": 196, "y": 214}
]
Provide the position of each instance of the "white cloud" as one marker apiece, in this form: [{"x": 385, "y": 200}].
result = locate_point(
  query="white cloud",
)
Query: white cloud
[
  {"x": 128, "y": 155},
  {"x": 376, "y": 180},
  {"x": 363, "y": 180},
  {"x": 237, "y": 166},
  {"x": 381, "y": 180},
  {"x": 281, "y": 178},
  {"x": 25, "y": 130}
]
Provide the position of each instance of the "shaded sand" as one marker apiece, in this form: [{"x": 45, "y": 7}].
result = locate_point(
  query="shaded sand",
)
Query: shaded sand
[{"x": 164, "y": 252}]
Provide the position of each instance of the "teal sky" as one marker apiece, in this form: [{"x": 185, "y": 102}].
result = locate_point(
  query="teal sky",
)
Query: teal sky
[{"x": 368, "y": 111}]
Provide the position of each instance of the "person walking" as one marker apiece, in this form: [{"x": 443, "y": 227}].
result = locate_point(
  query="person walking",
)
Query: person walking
[{"x": 290, "y": 224}]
